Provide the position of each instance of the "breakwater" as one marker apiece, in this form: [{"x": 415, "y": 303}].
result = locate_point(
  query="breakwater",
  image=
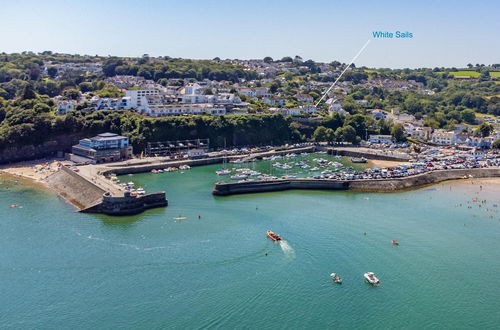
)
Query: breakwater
[
  {"x": 374, "y": 185},
  {"x": 92, "y": 197},
  {"x": 128, "y": 204},
  {"x": 74, "y": 188}
]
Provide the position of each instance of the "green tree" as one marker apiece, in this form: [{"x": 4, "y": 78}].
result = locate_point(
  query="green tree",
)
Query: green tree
[
  {"x": 268, "y": 59},
  {"x": 349, "y": 134},
  {"x": 469, "y": 116},
  {"x": 28, "y": 92},
  {"x": 329, "y": 135},
  {"x": 496, "y": 144},
  {"x": 484, "y": 130},
  {"x": 71, "y": 94},
  {"x": 398, "y": 133},
  {"x": 52, "y": 72},
  {"x": 319, "y": 134}
]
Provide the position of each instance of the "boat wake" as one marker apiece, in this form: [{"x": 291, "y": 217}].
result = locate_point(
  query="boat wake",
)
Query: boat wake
[{"x": 287, "y": 249}]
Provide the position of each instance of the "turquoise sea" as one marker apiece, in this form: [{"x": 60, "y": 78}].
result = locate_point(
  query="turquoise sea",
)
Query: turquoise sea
[{"x": 63, "y": 270}]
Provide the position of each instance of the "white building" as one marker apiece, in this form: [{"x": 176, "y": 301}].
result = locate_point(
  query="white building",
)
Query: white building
[
  {"x": 285, "y": 112},
  {"x": 274, "y": 101},
  {"x": 335, "y": 106},
  {"x": 184, "y": 109},
  {"x": 421, "y": 133},
  {"x": 441, "y": 136},
  {"x": 138, "y": 97},
  {"x": 308, "y": 109},
  {"x": 63, "y": 107},
  {"x": 304, "y": 98},
  {"x": 383, "y": 139}
]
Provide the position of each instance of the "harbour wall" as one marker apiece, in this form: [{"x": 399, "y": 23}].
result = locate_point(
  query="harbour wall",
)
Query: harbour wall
[
  {"x": 90, "y": 198},
  {"x": 74, "y": 188},
  {"x": 128, "y": 205},
  {"x": 375, "y": 185}
]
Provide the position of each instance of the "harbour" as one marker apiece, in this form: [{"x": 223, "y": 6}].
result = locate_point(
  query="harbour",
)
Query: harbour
[{"x": 152, "y": 264}]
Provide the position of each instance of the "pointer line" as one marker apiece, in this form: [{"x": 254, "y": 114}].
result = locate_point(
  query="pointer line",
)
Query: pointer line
[{"x": 347, "y": 67}]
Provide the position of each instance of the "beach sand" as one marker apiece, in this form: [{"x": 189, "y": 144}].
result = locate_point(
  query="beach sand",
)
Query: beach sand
[{"x": 36, "y": 170}]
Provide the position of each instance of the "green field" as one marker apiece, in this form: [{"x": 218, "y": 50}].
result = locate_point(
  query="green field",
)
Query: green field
[{"x": 473, "y": 74}]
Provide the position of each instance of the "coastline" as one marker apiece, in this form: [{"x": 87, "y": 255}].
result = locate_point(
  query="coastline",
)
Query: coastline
[{"x": 35, "y": 170}]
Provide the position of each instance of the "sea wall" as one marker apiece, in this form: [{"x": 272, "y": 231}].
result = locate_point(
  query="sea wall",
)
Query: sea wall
[
  {"x": 379, "y": 185},
  {"x": 422, "y": 179},
  {"x": 74, "y": 188}
]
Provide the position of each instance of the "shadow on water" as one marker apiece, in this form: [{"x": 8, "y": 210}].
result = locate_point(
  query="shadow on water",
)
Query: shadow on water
[{"x": 130, "y": 219}]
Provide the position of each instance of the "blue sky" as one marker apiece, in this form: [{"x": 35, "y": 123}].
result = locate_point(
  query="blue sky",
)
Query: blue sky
[{"x": 446, "y": 33}]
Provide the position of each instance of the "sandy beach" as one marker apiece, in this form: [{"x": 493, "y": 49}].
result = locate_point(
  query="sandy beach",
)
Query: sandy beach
[{"x": 36, "y": 170}]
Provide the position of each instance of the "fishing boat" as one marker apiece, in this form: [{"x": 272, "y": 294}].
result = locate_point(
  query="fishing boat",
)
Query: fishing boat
[
  {"x": 394, "y": 242},
  {"x": 273, "y": 236},
  {"x": 358, "y": 160},
  {"x": 336, "y": 278},
  {"x": 371, "y": 278}
]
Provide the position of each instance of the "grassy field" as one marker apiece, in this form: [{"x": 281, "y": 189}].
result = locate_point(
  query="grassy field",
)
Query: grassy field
[{"x": 472, "y": 74}]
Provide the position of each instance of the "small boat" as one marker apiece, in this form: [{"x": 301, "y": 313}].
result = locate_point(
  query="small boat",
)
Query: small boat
[
  {"x": 180, "y": 218},
  {"x": 394, "y": 242},
  {"x": 358, "y": 160},
  {"x": 273, "y": 236},
  {"x": 336, "y": 278},
  {"x": 140, "y": 191},
  {"x": 223, "y": 172},
  {"x": 371, "y": 278},
  {"x": 239, "y": 177}
]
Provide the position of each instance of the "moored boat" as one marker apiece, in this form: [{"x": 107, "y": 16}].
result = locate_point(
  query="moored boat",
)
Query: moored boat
[
  {"x": 394, "y": 242},
  {"x": 223, "y": 172},
  {"x": 336, "y": 278},
  {"x": 358, "y": 160},
  {"x": 371, "y": 278},
  {"x": 273, "y": 236}
]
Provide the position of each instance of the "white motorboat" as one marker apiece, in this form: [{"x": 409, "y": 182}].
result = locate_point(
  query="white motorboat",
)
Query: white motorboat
[
  {"x": 223, "y": 172},
  {"x": 239, "y": 177},
  {"x": 371, "y": 278}
]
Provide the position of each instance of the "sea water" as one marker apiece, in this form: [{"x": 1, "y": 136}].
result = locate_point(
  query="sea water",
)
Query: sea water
[{"x": 217, "y": 269}]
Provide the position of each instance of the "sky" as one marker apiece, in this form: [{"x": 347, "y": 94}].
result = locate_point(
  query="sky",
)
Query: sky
[{"x": 445, "y": 33}]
